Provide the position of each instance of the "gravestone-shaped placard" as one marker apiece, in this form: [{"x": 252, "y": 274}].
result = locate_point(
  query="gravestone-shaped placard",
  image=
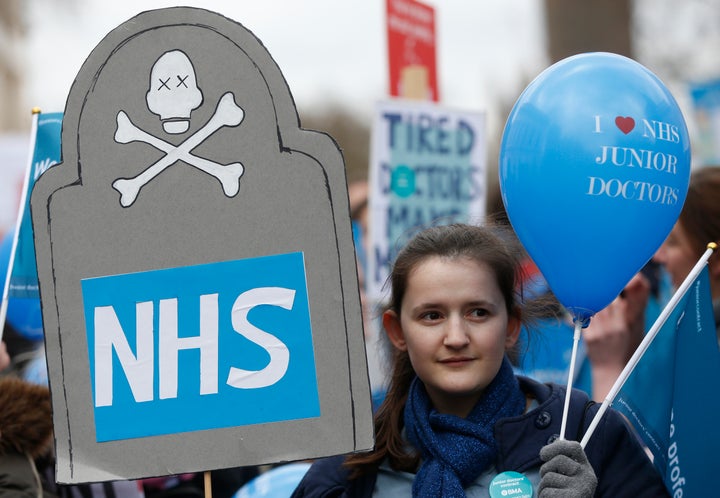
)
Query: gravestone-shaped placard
[{"x": 196, "y": 265}]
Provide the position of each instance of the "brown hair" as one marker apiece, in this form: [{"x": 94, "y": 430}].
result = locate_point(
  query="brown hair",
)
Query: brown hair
[
  {"x": 491, "y": 244},
  {"x": 700, "y": 215}
]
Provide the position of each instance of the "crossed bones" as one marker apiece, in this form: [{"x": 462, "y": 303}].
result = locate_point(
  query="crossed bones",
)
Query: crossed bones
[{"x": 227, "y": 113}]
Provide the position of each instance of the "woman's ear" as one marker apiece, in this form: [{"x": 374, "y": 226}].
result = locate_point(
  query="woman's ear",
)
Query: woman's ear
[
  {"x": 393, "y": 329},
  {"x": 513, "y": 331}
]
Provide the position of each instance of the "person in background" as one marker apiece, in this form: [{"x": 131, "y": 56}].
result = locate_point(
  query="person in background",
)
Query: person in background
[
  {"x": 615, "y": 332},
  {"x": 697, "y": 225},
  {"x": 456, "y": 418},
  {"x": 613, "y": 335},
  {"x": 25, "y": 439}
]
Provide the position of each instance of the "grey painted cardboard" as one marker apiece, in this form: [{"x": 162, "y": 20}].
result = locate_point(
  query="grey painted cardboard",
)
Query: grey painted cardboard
[{"x": 292, "y": 196}]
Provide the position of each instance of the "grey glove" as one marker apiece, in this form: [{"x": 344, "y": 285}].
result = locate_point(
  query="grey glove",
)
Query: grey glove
[{"x": 566, "y": 472}]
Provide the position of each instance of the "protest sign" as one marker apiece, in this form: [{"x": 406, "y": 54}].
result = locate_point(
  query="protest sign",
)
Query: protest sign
[
  {"x": 195, "y": 259},
  {"x": 427, "y": 166},
  {"x": 412, "y": 60}
]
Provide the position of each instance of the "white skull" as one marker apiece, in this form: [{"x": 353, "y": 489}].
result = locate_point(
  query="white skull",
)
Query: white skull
[{"x": 173, "y": 92}]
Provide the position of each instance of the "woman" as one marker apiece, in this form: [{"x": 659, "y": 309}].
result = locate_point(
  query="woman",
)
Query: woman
[{"x": 456, "y": 421}]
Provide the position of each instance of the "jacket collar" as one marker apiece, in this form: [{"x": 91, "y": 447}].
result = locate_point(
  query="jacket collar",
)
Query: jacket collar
[{"x": 520, "y": 438}]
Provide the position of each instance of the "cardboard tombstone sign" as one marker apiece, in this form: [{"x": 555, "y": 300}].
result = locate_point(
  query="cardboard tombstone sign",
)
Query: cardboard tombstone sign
[{"x": 196, "y": 264}]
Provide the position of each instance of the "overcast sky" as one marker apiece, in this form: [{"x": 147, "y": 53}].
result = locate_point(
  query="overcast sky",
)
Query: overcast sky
[
  {"x": 334, "y": 51},
  {"x": 329, "y": 51}
]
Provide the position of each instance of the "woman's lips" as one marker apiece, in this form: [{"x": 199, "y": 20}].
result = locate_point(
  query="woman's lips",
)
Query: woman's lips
[{"x": 456, "y": 360}]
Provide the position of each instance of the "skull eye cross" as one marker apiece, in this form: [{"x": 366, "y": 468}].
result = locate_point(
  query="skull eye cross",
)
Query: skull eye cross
[{"x": 173, "y": 95}]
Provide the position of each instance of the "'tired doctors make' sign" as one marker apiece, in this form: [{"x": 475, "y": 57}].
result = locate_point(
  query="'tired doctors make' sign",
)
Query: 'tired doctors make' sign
[
  {"x": 427, "y": 166},
  {"x": 170, "y": 347},
  {"x": 196, "y": 265}
]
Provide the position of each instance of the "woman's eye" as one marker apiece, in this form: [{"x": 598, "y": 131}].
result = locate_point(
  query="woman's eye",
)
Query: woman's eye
[
  {"x": 480, "y": 312},
  {"x": 431, "y": 315}
]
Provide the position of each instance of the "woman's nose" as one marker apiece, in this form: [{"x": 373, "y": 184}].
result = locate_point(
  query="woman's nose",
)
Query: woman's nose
[{"x": 456, "y": 335}]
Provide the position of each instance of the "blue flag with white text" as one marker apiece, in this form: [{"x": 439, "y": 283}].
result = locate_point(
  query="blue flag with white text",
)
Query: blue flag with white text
[
  {"x": 671, "y": 395},
  {"x": 45, "y": 153},
  {"x": 21, "y": 295}
]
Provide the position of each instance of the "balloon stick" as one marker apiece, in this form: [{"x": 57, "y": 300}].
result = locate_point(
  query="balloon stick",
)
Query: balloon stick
[
  {"x": 664, "y": 315},
  {"x": 571, "y": 375}
]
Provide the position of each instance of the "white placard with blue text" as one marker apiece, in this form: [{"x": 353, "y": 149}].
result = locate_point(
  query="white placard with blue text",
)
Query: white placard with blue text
[{"x": 427, "y": 166}]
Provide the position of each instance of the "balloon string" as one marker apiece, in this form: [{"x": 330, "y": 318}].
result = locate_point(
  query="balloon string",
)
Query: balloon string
[{"x": 571, "y": 375}]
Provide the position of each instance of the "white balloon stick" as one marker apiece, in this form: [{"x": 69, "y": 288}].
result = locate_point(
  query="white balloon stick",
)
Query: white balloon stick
[{"x": 571, "y": 375}]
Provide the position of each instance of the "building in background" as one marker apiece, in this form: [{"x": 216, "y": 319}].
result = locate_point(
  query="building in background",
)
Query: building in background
[{"x": 13, "y": 117}]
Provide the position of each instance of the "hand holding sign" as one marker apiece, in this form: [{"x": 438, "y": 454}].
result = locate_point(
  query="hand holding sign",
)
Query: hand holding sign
[{"x": 594, "y": 169}]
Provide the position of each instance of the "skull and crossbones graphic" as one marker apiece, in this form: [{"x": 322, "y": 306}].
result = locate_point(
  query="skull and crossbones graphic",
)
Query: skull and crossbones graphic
[{"x": 173, "y": 95}]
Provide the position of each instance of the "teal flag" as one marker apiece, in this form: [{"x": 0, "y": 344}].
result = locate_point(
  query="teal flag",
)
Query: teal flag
[
  {"x": 671, "y": 395},
  {"x": 46, "y": 153},
  {"x": 21, "y": 296}
]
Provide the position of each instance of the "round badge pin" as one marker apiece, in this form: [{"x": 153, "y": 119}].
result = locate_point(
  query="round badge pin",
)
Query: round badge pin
[{"x": 510, "y": 485}]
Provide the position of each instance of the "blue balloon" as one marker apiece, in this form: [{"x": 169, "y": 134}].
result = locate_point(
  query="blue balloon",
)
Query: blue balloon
[
  {"x": 275, "y": 483},
  {"x": 23, "y": 313},
  {"x": 594, "y": 169}
]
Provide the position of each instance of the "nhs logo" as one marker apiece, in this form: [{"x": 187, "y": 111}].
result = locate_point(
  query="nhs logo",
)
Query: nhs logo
[{"x": 200, "y": 347}]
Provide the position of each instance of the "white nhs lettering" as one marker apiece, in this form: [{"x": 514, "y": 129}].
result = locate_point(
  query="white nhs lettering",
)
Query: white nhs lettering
[
  {"x": 661, "y": 131},
  {"x": 139, "y": 368}
]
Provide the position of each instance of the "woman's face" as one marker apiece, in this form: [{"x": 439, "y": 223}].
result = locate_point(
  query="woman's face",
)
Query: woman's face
[
  {"x": 677, "y": 255},
  {"x": 455, "y": 327}
]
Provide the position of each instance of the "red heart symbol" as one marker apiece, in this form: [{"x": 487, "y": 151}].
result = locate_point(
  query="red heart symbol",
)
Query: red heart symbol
[{"x": 626, "y": 125}]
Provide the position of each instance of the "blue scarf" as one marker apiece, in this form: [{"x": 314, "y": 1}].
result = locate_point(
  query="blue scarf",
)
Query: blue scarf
[{"x": 455, "y": 451}]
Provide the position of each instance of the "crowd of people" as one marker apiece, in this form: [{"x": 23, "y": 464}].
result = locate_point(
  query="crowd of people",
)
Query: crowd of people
[{"x": 460, "y": 413}]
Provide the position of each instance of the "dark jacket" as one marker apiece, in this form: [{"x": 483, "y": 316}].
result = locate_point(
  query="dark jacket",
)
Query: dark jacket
[{"x": 620, "y": 463}]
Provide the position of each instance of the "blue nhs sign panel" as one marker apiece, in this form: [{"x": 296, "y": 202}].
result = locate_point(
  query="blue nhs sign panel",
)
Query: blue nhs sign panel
[{"x": 200, "y": 347}]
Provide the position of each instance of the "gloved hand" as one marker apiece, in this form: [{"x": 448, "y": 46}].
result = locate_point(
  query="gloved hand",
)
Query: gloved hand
[{"x": 566, "y": 472}]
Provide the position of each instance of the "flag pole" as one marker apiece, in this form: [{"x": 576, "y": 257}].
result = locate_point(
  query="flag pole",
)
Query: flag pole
[
  {"x": 21, "y": 208},
  {"x": 669, "y": 308}
]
